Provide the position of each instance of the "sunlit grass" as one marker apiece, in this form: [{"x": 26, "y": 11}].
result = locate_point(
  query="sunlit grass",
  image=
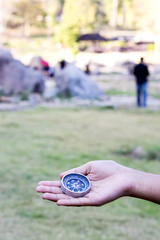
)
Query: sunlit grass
[
  {"x": 39, "y": 144},
  {"x": 114, "y": 92}
]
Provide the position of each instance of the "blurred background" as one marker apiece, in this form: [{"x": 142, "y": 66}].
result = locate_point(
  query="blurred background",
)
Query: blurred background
[{"x": 68, "y": 96}]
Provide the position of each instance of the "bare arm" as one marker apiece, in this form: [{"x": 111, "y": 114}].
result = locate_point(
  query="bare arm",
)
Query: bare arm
[
  {"x": 145, "y": 186},
  {"x": 109, "y": 181}
]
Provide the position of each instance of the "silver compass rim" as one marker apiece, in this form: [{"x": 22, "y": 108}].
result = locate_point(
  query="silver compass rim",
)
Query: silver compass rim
[{"x": 75, "y": 194}]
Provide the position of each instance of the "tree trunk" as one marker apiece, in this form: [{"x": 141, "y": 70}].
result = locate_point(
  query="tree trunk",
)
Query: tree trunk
[
  {"x": 124, "y": 14},
  {"x": 114, "y": 16},
  {"x": 26, "y": 28}
]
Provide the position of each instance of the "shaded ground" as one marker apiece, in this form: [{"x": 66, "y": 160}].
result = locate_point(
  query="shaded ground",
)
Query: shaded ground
[{"x": 128, "y": 102}]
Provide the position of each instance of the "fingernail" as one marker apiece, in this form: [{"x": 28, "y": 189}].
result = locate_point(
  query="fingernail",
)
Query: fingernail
[{"x": 44, "y": 196}]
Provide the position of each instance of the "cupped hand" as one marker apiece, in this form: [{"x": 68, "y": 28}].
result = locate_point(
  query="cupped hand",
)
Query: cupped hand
[{"x": 109, "y": 181}]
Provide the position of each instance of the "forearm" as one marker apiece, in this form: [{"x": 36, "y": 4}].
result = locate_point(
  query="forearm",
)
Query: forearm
[{"x": 145, "y": 186}]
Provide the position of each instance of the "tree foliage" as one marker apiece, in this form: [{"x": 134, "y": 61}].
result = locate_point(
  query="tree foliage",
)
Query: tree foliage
[
  {"x": 146, "y": 18},
  {"x": 70, "y": 18},
  {"x": 6, "y": 7},
  {"x": 78, "y": 16},
  {"x": 28, "y": 12}
]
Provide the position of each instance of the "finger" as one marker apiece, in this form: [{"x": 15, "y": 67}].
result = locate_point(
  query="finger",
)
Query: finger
[
  {"x": 74, "y": 202},
  {"x": 49, "y": 189},
  {"x": 50, "y": 183},
  {"x": 84, "y": 169},
  {"x": 54, "y": 197}
]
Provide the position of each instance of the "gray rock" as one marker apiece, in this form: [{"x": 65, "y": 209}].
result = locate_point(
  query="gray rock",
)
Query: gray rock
[
  {"x": 71, "y": 81},
  {"x": 16, "y": 78},
  {"x": 5, "y": 54},
  {"x": 138, "y": 153}
]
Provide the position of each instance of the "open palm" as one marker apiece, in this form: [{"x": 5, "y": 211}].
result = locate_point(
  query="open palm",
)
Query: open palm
[{"x": 108, "y": 182}]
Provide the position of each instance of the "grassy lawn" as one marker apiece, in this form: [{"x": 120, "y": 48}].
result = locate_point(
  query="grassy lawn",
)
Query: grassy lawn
[
  {"x": 39, "y": 144},
  {"x": 116, "y": 84},
  {"x": 114, "y": 92}
]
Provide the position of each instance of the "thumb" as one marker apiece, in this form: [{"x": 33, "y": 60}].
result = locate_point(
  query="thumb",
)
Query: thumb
[{"x": 84, "y": 169}]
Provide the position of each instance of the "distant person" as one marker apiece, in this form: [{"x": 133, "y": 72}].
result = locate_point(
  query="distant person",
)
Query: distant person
[
  {"x": 62, "y": 64},
  {"x": 39, "y": 64},
  {"x": 109, "y": 181},
  {"x": 141, "y": 73},
  {"x": 45, "y": 67},
  {"x": 87, "y": 70}
]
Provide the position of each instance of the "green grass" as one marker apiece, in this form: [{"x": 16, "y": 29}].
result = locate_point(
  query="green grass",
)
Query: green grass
[
  {"x": 39, "y": 144},
  {"x": 115, "y": 92},
  {"x": 156, "y": 95}
]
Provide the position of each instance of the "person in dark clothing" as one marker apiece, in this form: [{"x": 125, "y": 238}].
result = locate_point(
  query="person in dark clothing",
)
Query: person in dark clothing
[
  {"x": 141, "y": 73},
  {"x": 63, "y": 64}
]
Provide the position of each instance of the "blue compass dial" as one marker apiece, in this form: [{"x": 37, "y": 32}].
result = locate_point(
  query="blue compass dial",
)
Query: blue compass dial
[{"x": 75, "y": 185}]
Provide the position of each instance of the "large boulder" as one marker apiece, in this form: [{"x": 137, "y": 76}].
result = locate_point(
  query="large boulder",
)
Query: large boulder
[
  {"x": 73, "y": 82},
  {"x": 16, "y": 78}
]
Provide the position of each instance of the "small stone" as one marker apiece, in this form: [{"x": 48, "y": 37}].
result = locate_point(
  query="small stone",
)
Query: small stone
[{"x": 138, "y": 153}]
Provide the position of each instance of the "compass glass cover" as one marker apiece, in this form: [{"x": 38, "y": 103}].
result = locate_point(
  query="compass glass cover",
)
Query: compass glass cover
[{"x": 76, "y": 182}]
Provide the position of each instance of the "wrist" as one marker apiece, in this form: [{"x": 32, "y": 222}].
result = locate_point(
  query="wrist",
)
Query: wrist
[{"x": 132, "y": 181}]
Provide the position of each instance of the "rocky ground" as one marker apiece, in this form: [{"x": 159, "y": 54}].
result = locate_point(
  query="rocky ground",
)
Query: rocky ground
[{"x": 115, "y": 102}]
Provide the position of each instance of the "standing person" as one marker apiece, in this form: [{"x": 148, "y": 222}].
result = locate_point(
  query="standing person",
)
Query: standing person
[{"x": 141, "y": 73}]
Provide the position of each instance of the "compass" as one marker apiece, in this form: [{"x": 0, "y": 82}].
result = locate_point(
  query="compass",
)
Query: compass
[{"x": 75, "y": 185}]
